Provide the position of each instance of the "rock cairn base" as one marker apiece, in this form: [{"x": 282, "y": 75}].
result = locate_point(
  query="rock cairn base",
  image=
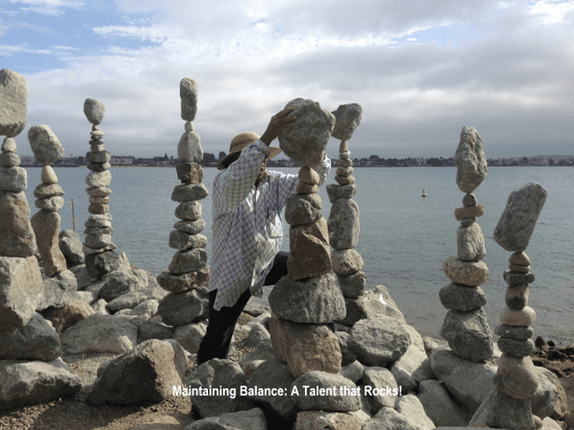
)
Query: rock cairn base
[
  {"x": 516, "y": 381},
  {"x": 465, "y": 326},
  {"x": 187, "y": 305}
]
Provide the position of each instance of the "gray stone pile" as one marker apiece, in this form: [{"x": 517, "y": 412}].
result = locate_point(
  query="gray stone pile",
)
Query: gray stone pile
[
  {"x": 186, "y": 305},
  {"x": 508, "y": 405},
  {"x": 31, "y": 370},
  {"x": 344, "y": 219},
  {"x": 465, "y": 326},
  {"x": 308, "y": 300}
]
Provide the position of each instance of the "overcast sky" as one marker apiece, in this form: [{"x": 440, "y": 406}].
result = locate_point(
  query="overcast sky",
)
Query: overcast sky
[{"x": 421, "y": 70}]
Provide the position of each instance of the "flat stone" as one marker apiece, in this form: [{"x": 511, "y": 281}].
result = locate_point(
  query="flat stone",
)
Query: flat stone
[
  {"x": 470, "y": 243},
  {"x": 467, "y": 222},
  {"x": 65, "y": 317},
  {"x": 515, "y": 347},
  {"x": 344, "y": 155},
  {"x": 185, "y": 282},
  {"x": 468, "y": 334},
  {"x": 378, "y": 340},
  {"x": 345, "y": 163},
  {"x": 462, "y": 298},
  {"x": 44, "y": 191},
  {"x": 372, "y": 303},
  {"x": 150, "y": 329},
  {"x": 468, "y": 200},
  {"x": 189, "y": 211},
  {"x": 347, "y": 119},
  {"x": 514, "y": 332},
  {"x": 470, "y": 160},
  {"x": 190, "y": 227},
  {"x": 99, "y": 200},
  {"x": 99, "y": 167},
  {"x": 96, "y": 145},
  {"x": 344, "y": 171},
  {"x": 96, "y": 251},
  {"x": 513, "y": 279},
  {"x": 98, "y": 191},
  {"x": 303, "y": 188},
  {"x": 309, "y": 176},
  {"x": 517, "y": 296},
  {"x": 51, "y": 204},
  {"x": 186, "y": 193},
  {"x": 13, "y": 110},
  {"x": 341, "y": 191},
  {"x": 188, "y": 261},
  {"x": 59, "y": 290},
  {"x": 9, "y": 159},
  {"x": 98, "y": 230},
  {"x": 94, "y": 111},
  {"x": 519, "y": 258},
  {"x": 189, "y": 148},
  {"x": 523, "y": 317},
  {"x": 344, "y": 224},
  {"x": 505, "y": 412},
  {"x": 45, "y": 144},
  {"x": 309, "y": 251},
  {"x": 471, "y": 273},
  {"x": 390, "y": 419},
  {"x": 13, "y": 179},
  {"x": 189, "y": 173},
  {"x": 18, "y": 238},
  {"x": 188, "y": 95},
  {"x": 352, "y": 285},
  {"x": 97, "y": 223},
  {"x": 519, "y": 269},
  {"x": 99, "y": 179},
  {"x": 468, "y": 212},
  {"x": 345, "y": 180},
  {"x": 306, "y": 142},
  {"x": 98, "y": 241},
  {"x": 303, "y": 209},
  {"x": 98, "y": 157},
  {"x": 148, "y": 373},
  {"x": 253, "y": 419},
  {"x": 518, "y": 220},
  {"x": 305, "y": 347},
  {"x": 338, "y": 401},
  {"x": 178, "y": 309},
  {"x": 184, "y": 241},
  {"x": 319, "y": 420},
  {"x": 314, "y": 301},
  {"x": 346, "y": 261}
]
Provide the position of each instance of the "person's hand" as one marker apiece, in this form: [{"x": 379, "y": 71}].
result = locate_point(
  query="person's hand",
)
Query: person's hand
[{"x": 278, "y": 123}]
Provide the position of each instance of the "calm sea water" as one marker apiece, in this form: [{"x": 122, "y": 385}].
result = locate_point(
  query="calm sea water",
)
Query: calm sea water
[{"x": 404, "y": 237}]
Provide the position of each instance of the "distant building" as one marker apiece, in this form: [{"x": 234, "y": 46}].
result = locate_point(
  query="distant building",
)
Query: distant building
[{"x": 122, "y": 160}]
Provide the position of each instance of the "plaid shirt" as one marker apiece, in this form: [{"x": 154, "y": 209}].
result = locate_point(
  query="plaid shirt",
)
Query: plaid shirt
[{"x": 247, "y": 227}]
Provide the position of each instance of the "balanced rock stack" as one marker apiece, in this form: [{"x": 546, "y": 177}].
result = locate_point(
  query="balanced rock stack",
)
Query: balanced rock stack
[
  {"x": 188, "y": 273},
  {"x": 508, "y": 405},
  {"x": 308, "y": 300},
  {"x": 98, "y": 245},
  {"x": 344, "y": 221},
  {"x": 465, "y": 326}
]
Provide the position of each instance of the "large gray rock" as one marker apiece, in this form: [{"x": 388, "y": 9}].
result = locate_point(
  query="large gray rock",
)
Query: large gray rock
[
  {"x": 438, "y": 405},
  {"x": 46, "y": 226},
  {"x": 352, "y": 285},
  {"x": 83, "y": 277},
  {"x": 18, "y": 238},
  {"x": 187, "y": 193},
  {"x": 470, "y": 160},
  {"x": 346, "y": 261},
  {"x": 347, "y": 119},
  {"x": 190, "y": 335},
  {"x": 390, "y": 419},
  {"x": 94, "y": 111},
  {"x": 373, "y": 302},
  {"x": 150, "y": 329},
  {"x": 45, "y": 144},
  {"x": 319, "y": 420},
  {"x": 32, "y": 382},
  {"x": 13, "y": 179},
  {"x": 188, "y": 261},
  {"x": 518, "y": 220},
  {"x": 71, "y": 246},
  {"x": 253, "y": 419},
  {"x": 303, "y": 209},
  {"x": 411, "y": 368},
  {"x": 67, "y": 316},
  {"x": 182, "y": 308},
  {"x": 36, "y": 341},
  {"x": 324, "y": 391},
  {"x": 471, "y": 273},
  {"x": 461, "y": 297},
  {"x": 376, "y": 381},
  {"x": 148, "y": 373},
  {"x": 99, "y": 179},
  {"x": 20, "y": 291},
  {"x": 341, "y": 191},
  {"x": 315, "y": 301},
  {"x": 505, "y": 412},
  {"x": 184, "y": 282},
  {"x": 188, "y": 95},
  {"x": 305, "y": 143},
  {"x": 59, "y": 290},
  {"x": 378, "y": 340},
  {"x": 13, "y": 110},
  {"x": 550, "y": 398},
  {"x": 310, "y": 252},
  {"x": 344, "y": 224},
  {"x": 468, "y": 334},
  {"x": 118, "y": 283},
  {"x": 222, "y": 375},
  {"x": 100, "y": 264},
  {"x": 470, "y": 243},
  {"x": 411, "y": 407},
  {"x": 100, "y": 333},
  {"x": 189, "y": 148}
]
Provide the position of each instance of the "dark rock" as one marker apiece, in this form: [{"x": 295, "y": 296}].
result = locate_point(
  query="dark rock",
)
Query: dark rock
[{"x": 99, "y": 265}]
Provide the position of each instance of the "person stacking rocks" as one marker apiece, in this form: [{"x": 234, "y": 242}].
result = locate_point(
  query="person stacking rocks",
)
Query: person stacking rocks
[
  {"x": 248, "y": 202},
  {"x": 465, "y": 326},
  {"x": 308, "y": 300},
  {"x": 98, "y": 245},
  {"x": 186, "y": 306},
  {"x": 508, "y": 405}
]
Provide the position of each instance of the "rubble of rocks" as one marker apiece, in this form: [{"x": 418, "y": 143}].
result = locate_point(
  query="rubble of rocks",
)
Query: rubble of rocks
[{"x": 465, "y": 325}]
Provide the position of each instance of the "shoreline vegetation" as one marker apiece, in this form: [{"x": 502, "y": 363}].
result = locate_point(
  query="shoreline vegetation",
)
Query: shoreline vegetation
[{"x": 209, "y": 160}]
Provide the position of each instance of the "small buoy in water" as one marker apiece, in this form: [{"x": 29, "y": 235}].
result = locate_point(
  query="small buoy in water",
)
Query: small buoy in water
[{"x": 424, "y": 192}]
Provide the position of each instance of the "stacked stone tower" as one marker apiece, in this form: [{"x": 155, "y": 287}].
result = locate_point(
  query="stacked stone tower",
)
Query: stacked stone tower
[
  {"x": 465, "y": 326},
  {"x": 98, "y": 245},
  {"x": 308, "y": 300},
  {"x": 508, "y": 405},
  {"x": 188, "y": 273}
]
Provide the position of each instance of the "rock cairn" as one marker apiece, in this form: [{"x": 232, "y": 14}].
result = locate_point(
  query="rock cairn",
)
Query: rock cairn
[
  {"x": 508, "y": 405},
  {"x": 187, "y": 305},
  {"x": 465, "y": 326},
  {"x": 344, "y": 221},
  {"x": 98, "y": 245},
  {"x": 308, "y": 300}
]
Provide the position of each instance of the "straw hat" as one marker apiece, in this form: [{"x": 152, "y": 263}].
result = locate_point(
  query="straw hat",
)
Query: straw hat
[{"x": 241, "y": 141}]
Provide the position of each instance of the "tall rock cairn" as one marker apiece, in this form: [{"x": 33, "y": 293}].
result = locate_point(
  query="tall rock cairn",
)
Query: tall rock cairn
[
  {"x": 508, "y": 405},
  {"x": 98, "y": 245},
  {"x": 21, "y": 287},
  {"x": 188, "y": 273},
  {"x": 308, "y": 300},
  {"x": 344, "y": 219},
  {"x": 46, "y": 222},
  {"x": 465, "y": 326}
]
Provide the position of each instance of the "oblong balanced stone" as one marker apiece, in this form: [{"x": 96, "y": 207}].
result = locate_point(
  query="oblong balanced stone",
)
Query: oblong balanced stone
[{"x": 470, "y": 160}]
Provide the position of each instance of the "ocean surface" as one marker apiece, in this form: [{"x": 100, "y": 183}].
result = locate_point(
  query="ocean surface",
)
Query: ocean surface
[{"x": 404, "y": 237}]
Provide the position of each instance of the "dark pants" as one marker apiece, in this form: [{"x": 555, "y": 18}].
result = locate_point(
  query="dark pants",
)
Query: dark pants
[{"x": 217, "y": 339}]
